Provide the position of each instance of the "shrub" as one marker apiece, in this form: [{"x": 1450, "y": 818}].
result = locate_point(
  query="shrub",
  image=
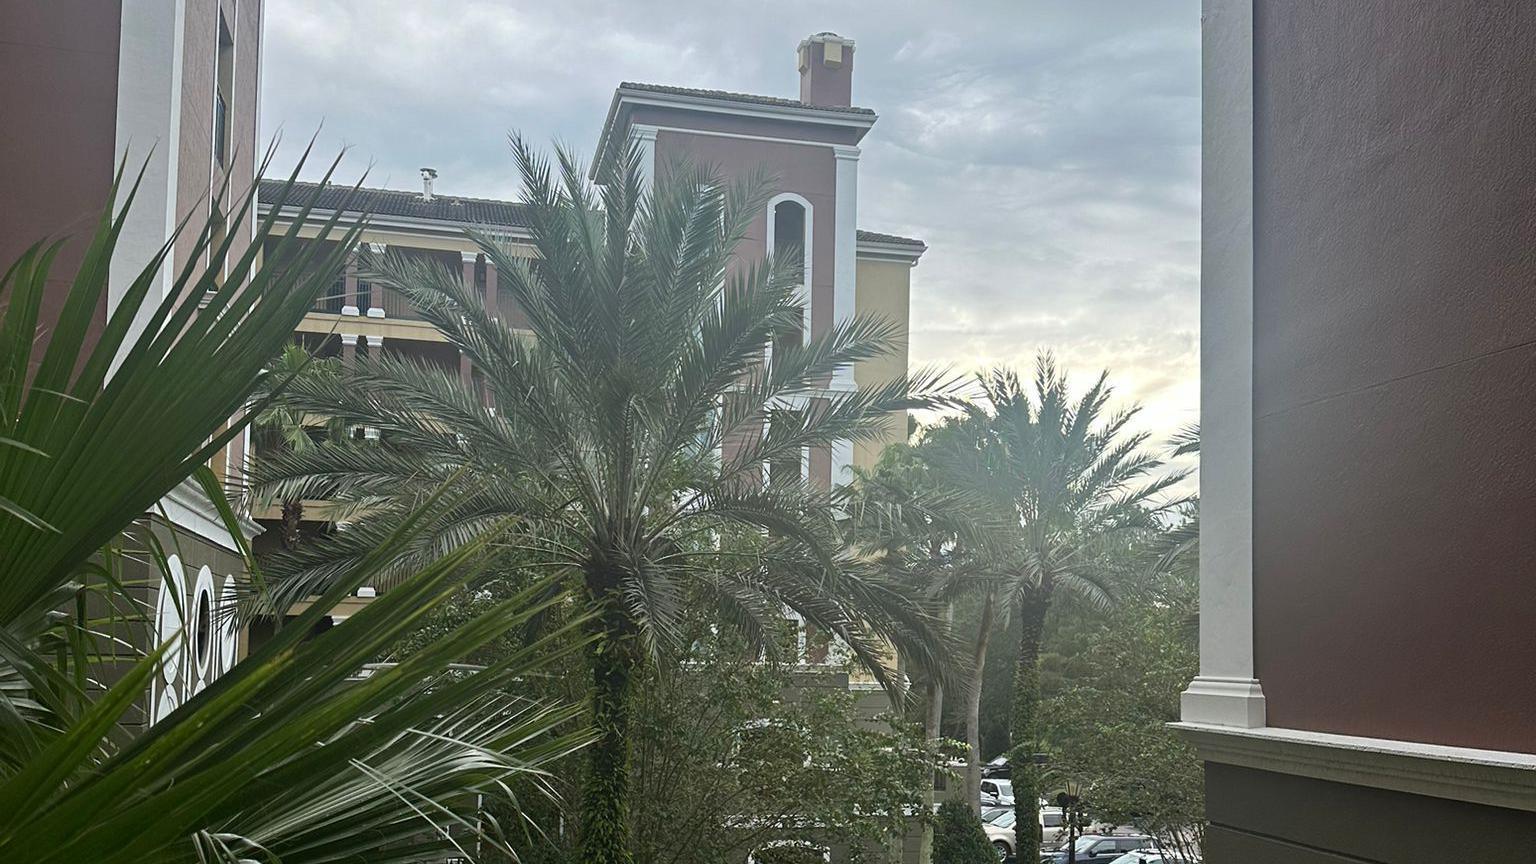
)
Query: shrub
[{"x": 958, "y": 838}]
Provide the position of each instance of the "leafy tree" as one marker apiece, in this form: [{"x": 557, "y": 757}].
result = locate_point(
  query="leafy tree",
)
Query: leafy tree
[
  {"x": 958, "y": 838},
  {"x": 285, "y": 756},
  {"x": 1074, "y": 477},
  {"x": 1107, "y": 723},
  {"x": 630, "y": 426}
]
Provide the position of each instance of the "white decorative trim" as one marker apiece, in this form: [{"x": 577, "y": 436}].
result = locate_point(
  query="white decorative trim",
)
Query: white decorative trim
[
  {"x": 348, "y": 338},
  {"x": 646, "y": 137},
  {"x": 842, "y": 462},
  {"x": 819, "y": 116},
  {"x": 350, "y": 310},
  {"x": 188, "y": 508},
  {"x": 374, "y": 341},
  {"x": 1491, "y": 777},
  {"x": 469, "y": 257},
  {"x": 375, "y": 312},
  {"x": 147, "y": 137},
  {"x": 804, "y": 293},
  {"x": 201, "y": 664},
  {"x": 891, "y": 251},
  {"x": 1224, "y": 702},
  {"x": 845, "y": 271},
  {"x": 1226, "y": 691},
  {"x": 377, "y": 248},
  {"x": 742, "y": 136}
]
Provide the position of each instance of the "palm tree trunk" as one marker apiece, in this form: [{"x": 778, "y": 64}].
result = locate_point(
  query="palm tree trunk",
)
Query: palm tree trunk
[
  {"x": 1024, "y": 729},
  {"x": 973, "y": 703},
  {"x": 931, "y": 729},
  {"x": 605, "y": 828},
  {"x": 293, "y": 515}
]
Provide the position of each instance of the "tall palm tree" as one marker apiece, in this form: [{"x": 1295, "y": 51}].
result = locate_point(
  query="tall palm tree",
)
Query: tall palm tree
[
  {"x": 626, "y": 440},
  {"x": 279, "y": 426},
  {"x": 1073, "y": 476},
  {"x": 288, "y": 755}
]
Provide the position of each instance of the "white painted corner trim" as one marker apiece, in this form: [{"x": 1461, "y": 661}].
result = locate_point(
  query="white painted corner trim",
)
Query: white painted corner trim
[
  {"x": 188, "y": 508},
  {"x": 1227, "y": 692},
  {"x": 1490, "y": 777}
]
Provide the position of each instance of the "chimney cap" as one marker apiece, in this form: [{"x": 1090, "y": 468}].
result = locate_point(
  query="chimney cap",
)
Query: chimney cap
[
  {"x": 427, "y": 176},
  {"x": 827, "y": 36}
]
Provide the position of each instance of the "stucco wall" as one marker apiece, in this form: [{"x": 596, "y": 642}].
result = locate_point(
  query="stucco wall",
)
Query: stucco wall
[
  {"x": 1394, "y": 368},
  {"x": 885, "y": 292},
  {"x": 58, "y": 62}
]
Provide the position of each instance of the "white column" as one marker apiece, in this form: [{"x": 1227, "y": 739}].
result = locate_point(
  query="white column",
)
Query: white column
[
  {"x": 845, "y": 263},
  {"x": 645, "y": 138},
  {"x": 375, "y": 290},
  {"x": 148, "y": 137},
  {"x": 1226, "y": 693}
]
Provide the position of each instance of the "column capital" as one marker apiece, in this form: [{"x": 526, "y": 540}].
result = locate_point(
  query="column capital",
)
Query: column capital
[
  {"x": 846, "y": 151},
  {"x": 377, "y": 248},
  {"x": 349, "y": 338},
  {"x": 469, "y": 257},
  {"x": 643, "y": 132},
  {"x": 375, "y": 341}
]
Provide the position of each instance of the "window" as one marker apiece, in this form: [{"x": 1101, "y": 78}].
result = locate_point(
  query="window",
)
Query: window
[
  {"x": 789, "y": 240},
  {"x": 223, "y": 86}
]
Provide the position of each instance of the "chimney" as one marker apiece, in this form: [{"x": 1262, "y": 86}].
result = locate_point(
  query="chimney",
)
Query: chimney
[
  {"x": 427, "y": 176},
  {"x": 826, "y": 70}
]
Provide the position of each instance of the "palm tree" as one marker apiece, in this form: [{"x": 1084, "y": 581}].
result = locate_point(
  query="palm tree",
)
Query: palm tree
[
  {"x": 279, "y": 426},
  {"x": 626, "y": 440},
  {"x": 288, "y": 755},
  {"x": 1073, "y": 477}
]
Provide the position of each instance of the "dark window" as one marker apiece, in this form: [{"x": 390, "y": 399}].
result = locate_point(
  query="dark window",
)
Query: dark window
[
  {"x": 220, "y": 122},
  {"x": 789, "y": 246}
]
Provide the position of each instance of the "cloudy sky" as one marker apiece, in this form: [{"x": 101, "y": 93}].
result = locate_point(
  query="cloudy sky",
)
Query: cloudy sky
[{"x": 1048, "y": 152}]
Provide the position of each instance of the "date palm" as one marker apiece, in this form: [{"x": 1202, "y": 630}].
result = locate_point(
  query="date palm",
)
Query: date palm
[
  {"x": 1074, "y": 478},
  {"x": 625, "y": 437}
]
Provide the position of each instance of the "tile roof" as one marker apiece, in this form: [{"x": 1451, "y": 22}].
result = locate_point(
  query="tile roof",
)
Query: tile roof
[
  {"x": 451, "y": 208},
  {"x": 748, "y": 98},
  {"x": 393, "y": 202},
  {"x": 894, "y": 240}
]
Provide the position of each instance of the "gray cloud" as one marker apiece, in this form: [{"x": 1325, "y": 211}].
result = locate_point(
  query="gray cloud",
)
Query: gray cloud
[{"x": 1048, "y": 152}]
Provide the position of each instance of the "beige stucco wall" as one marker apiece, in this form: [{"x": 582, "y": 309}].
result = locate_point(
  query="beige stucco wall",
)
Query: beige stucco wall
[{"x": 885, "y": 291}]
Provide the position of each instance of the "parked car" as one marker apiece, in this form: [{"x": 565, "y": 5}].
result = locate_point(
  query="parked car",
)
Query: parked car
[
  {"x": 988, "y": 814},
  {"x": 1099, "y": 848},
  {"x": 996, "y": 792},
  {"x": 1052, "y": 829},
  {"x": 1150, "y": 855}
]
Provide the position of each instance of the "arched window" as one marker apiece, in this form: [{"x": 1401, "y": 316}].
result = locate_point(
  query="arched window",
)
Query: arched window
[{"x": 789, "y": 240}]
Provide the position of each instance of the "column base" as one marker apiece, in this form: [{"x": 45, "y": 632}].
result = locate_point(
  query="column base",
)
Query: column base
[
  {"x": 350, "y": 310},
  {"x": 1218, "y": 701},
  {"x": 375, "y": 312}
]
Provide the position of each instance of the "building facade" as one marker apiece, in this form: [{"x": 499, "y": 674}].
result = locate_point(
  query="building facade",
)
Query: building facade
[
  {"x": 809, "y": 148},
  {"x": 170, "y": 89},
  {"x": 1368, "y": 480}
]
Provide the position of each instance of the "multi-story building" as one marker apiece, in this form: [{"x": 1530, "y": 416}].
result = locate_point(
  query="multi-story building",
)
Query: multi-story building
[
  {"x": 808, "y": 145},
  {"x": 1368, "y": 478},
  {"x": 169, "y": 88}
]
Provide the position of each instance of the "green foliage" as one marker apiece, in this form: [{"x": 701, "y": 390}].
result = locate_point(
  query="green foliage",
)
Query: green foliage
[
  {"x": 1106, "y": 721},
  {"x": 606, "y": 456},
  {"x": 1074, "y": 478},
  {"x": 290, "y": 755},
  {"x": 958, "y": 838}
]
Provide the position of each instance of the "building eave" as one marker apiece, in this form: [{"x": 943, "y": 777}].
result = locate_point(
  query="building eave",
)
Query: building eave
[{"x": 811, "y": 115}]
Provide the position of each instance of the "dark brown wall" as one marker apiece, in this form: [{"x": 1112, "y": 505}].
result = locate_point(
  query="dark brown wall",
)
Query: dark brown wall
[
  {"x": 1395, "y": 368},
  {"x": 1258, "y": 817},
  {"x": 58, "y": 116}
]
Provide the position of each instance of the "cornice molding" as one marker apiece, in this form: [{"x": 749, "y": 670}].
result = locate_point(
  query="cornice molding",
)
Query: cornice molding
[{"x": 1494, "y": 778}]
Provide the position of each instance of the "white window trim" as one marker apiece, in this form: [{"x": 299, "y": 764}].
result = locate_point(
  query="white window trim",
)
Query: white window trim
[{"x": 808, "y": 248}]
